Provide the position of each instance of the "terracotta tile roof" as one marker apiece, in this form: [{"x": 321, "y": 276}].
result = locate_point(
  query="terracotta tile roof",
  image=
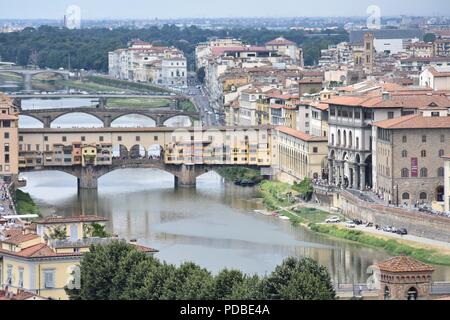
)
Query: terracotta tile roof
[
  {"x": 300, "y": 135},
  {"x": 411, "y": 100},
  {"x": 440, "y": 72},
  {"x": 404, "y": 264},
  {"x": 415, "y": 121},
  {"x": 38, "y": 251},
  {"x": 321, "y": 106},
  {"x": 308, "y": 80},
  {"x": 20, "y": 295},
  {"x": 16, "y": 237},
  {"x": 144, "y": 249},
  {"x": 58, "y": 220},
  {"x": 280, "y": 42}
]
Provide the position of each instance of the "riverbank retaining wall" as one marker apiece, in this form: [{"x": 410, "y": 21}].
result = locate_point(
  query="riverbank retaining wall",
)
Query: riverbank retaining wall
[{"x": 417, "y": 224}]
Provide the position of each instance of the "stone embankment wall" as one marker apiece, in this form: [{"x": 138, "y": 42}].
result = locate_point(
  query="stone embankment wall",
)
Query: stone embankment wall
[{"x": 417, "y": 223}]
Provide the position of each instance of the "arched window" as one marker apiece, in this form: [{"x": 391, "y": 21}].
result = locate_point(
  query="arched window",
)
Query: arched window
[
  {"x": 423, "y": 196},
  {"x": 405, "y": 173},
  {"x": 405, "y": 196},
  {"x": 441, "y": 172},
  {"x": 345, "y": 138},
  {"x": 404, "y": 154},
  {"x": 412, "y": 294},
  {"x": 423, "y": 153},
  {"x": 424, "y": 173}
]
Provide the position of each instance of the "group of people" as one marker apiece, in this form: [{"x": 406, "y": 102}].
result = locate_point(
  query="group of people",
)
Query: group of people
[{"x": 6, "y": 205}]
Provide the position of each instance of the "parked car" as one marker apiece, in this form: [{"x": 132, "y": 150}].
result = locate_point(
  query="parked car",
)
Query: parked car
[
  {"x": 350, "y": 224},
  {"x": 333, "y": 220}
]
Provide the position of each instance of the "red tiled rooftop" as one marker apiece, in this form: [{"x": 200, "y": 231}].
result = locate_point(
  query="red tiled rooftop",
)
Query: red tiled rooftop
[
  {"x": 404, "y": 264},
  {"x": 17, "y": 237},
  {"x": 57, "y": 220},
  {"x": 279, "y": 42},
  {"x": 300, "y": 135},
  {"x": 415, "y": 121}
]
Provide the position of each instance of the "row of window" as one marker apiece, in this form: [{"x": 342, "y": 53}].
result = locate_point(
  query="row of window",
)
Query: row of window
[
  {"x": 423, "y": 153},
  {"x": 422, "y": 196},
  {"x": 49, "y": 277},
  {"x": 424, "y": 139},
  {"x": 423, "y": 172}
]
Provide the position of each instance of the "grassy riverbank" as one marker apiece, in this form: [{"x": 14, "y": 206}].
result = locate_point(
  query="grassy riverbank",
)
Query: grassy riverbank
[
  {"x": 393, "y": 247},
  {"x": 238, "y": 173},
  {"x": 25, "y": 204},
  {"x": 277, "y": 195},
  {"x": 88, "y": 86},
  {"x": 139, "y": 103},
  {"x": 126, "y": 85}
]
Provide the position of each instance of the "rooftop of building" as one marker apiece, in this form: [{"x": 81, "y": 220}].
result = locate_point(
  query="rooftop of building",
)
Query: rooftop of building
[
  {"x": 404, "y": 264},
  {"x": 440, "y": 71},
  {"x": 77, "y": 219},
  {"x": 414, "y": 100},
  {"x": 301, "y": 135},
  {"x": 280, "y": 42},
  {"x": 415, "y": 121}
]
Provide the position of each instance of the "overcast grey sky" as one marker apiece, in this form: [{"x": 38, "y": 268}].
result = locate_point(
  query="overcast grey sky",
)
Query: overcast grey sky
[{"x": 149, "y": 9}]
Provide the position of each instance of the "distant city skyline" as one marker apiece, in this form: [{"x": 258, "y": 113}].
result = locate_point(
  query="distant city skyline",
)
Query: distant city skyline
[{"x": 145, "y": 9}]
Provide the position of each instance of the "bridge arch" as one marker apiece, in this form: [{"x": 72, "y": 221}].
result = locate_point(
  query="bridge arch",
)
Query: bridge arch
[
  {"x": 72, "y": 113},
  {"x": 138, "y": 151},
  {"x": 120, "y": 151},
  {"x": 141, "y": 120},
  {"x": 30, "y": 121},
  {"x": 182, "y": 119}
]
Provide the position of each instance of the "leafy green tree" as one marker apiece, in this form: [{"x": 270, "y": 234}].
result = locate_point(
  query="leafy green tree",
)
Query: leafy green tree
[
  {"x": 305, "y": 188},
  {"x": 299, "y": 279},
  {"x": 118, "y": 271},
  {"x": 249, "y": 289},
  {"x": 201, "y": 74},
  {"x": 192, "y": 283},
  {"x": 99, "y": 268},
  {"x": 429, "y": 37},
  {"x": 225, "y": 282}
]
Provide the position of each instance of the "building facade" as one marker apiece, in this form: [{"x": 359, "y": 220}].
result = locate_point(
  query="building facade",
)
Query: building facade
[
  {"x": 436, "y": 78},
  {"x": 409, "y": 165},
  {"x": 9, "y": 134},
  {"x": 144, "y": 62},
  {"x": 298, "y": 155}
]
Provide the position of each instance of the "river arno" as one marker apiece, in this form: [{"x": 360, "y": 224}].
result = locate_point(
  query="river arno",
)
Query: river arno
[{"x": 213, "y": 225}]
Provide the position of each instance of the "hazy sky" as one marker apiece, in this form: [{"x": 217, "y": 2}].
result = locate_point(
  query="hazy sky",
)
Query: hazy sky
[{"x": 149, "y": 9}]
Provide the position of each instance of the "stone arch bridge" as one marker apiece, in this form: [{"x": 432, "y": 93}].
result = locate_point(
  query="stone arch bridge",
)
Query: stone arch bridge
[
  {"x": 185, "y": 176},
  {"x": 28, "y": 74},
  {"x": 108, "y": 115}
]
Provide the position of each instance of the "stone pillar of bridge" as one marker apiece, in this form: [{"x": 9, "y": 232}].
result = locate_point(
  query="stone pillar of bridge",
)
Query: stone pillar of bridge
[
  {"x": 107, "y": 121},
  {"x": 102, "y": 102},
  {"x": 159, "y": 121},
  {"x": 186, "y": 177},
  {"x": 27, "y": 81},
  {"x": 88, "y": 178},
  {"x": 47, "y": 121}
]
